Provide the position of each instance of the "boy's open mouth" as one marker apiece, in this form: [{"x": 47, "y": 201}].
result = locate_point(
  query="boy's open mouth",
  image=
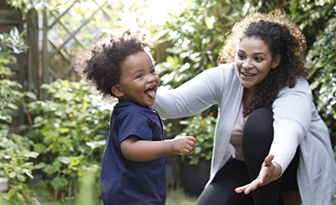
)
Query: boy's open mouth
[{"x": 151, "y": 92}]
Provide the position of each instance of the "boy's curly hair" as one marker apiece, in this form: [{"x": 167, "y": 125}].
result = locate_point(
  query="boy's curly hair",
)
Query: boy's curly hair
[
  {"x": 100, "y": 63},
  {"x": 282, "y": 37}
]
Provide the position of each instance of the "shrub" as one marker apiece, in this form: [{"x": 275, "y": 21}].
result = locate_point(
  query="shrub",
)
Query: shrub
[
  {"x": 15, "y": 151},
  {"x": 203, "y": 129},
  {"x": 322, "y": 59},
  {"x": 65, "y": 131}
]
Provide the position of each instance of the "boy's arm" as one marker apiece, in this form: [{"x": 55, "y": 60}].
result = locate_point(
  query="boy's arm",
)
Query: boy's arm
[{"x": 135, "y": 149}]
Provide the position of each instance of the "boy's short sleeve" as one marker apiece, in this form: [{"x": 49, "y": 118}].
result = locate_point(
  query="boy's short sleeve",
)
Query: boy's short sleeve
[{"x": 134, "y": 124}]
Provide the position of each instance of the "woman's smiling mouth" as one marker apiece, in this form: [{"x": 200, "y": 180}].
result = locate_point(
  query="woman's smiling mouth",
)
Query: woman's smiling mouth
[{"x": 248, "y": 74}]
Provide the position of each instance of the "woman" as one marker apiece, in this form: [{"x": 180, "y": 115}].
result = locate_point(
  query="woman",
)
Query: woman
[{"x": 269, "y": 138}]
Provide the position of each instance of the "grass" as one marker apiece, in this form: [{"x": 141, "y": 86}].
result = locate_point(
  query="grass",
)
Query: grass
[
  {"x": 174, "y": 197},
  {"x": 179, "y": 197}
]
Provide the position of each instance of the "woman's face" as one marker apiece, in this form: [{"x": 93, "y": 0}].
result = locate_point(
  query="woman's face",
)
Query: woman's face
[{"x": 253, "y": 62}]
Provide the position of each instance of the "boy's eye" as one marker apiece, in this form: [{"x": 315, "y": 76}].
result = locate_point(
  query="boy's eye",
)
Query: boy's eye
[
  {"x": 139, "y": 76},
  {"x": 153, "y": 71}
]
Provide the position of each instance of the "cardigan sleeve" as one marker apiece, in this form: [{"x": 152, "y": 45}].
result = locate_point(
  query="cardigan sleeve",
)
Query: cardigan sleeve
[
  {"x": 292, "y": 117},
  {"x": 192, "y": 97}
]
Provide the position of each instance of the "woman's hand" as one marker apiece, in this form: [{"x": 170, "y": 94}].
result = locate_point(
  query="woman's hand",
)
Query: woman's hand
[{"x": 268, "y": 173}]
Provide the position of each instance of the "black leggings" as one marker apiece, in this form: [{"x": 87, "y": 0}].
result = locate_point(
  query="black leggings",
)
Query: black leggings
[{"x": 257, "y": 139}]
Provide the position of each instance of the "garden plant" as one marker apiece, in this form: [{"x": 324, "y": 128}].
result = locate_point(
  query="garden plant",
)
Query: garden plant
[{"x": 15, "y": 149}]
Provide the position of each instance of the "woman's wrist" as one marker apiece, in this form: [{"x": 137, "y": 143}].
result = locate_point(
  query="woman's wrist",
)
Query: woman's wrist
[{"x": 277, "y": 170}]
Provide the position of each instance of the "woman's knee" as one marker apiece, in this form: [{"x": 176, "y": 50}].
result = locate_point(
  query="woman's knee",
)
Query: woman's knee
[
  {"x": 258, "y": 135},
  {"x": 258, "y": 126}
]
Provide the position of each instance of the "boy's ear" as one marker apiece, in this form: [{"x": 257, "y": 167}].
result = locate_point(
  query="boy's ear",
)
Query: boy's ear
[
  {"x": 117, "y": 91},
  {"x": 276, "y": 61}
]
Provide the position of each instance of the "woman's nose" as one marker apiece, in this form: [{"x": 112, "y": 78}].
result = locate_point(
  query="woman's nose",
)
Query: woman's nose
[{"x": 247, "y": 64}]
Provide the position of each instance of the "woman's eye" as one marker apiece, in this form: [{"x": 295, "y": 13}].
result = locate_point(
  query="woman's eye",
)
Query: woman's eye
[
  {"x": 240, "y": 56},
  {"x": 258, "y": 59}
]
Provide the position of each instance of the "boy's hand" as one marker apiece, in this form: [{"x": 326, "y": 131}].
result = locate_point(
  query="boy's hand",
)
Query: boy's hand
[{"x": 183, "y": 144}]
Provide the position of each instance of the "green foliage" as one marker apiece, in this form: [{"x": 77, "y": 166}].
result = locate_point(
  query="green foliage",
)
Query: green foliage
[
  {"x": 196, "y": 36},
  {"x": 322, "y": 59},
  {"x": 312, "y": 16},
  {"x": 203, "y": 129},
  {"x": 65, "y": 134},
  {"x": 15, "y": 166},
  {"x": 25, "y": 5},
  {"x": 15, "y": 151},
  {"x": 10, "y": 94}
]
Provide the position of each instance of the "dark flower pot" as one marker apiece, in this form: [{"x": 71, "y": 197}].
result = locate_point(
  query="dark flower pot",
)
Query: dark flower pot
[{"x": 194, "y": 177}]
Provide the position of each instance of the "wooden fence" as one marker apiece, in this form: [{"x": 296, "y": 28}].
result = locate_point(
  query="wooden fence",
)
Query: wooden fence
[{"x": 46, "y": 59}]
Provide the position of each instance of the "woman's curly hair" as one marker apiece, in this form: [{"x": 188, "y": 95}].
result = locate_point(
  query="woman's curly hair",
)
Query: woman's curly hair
[
  {"x": 282, "y": 37},
  {"x": 100, "y": 63}
]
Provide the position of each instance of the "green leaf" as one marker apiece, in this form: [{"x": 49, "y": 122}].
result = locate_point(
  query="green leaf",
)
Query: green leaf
[
  {"x": 197, "y": 150},
  {"x": 21, "y": 177},
  {"x": 63, "y": 130},
  {"x": 51, "y": 169},
  {"x": 64, "y": 160},
  {"x": 193, "y": 161},
  {"x": 12, "y": 174},
  {"x": 40, "y": 165},
  {"x": 31, "y": 154},
  {"x": 29, "y": 174},
  {"x": 30, "y": 95},
  {"x": 6, "y": 118},
  {"x": 20, "y": 197},
  {"x": 97, "y": 144},
  {"x": 11, "y": 193},
  {"x": 12, "y": 106},
  {"x": 58, "y": 183},
  {"x": 40, "y": 148},
  {"x": 74, "y": 162},
  {"x": 45, "y": 86},
  {"x": 85, "y": 105}
]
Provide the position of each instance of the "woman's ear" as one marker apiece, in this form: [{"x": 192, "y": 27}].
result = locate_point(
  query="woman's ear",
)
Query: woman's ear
[
  {"x": 117, "y": 91},
  {"x": 276, "y": 61}
]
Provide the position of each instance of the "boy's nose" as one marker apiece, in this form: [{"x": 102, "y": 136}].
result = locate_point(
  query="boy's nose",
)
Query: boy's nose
[{"x": 150, "y": 79}]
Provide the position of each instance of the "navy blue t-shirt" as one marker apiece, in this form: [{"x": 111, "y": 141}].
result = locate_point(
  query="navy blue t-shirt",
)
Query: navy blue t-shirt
[{"x": 126, "y": 182}]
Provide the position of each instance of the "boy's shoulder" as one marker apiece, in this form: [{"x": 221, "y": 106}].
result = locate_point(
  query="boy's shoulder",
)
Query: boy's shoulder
[{"x": 129, "y": 108}]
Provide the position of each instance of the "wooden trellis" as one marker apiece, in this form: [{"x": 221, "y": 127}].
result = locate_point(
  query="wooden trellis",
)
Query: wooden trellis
[
  {"x": 50, "y": 49},
  {"x": 36, "y": 66}
]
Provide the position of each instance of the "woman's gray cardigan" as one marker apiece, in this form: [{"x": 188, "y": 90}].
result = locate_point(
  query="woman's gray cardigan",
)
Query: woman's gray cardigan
[{"x": 296, "y": 122}]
